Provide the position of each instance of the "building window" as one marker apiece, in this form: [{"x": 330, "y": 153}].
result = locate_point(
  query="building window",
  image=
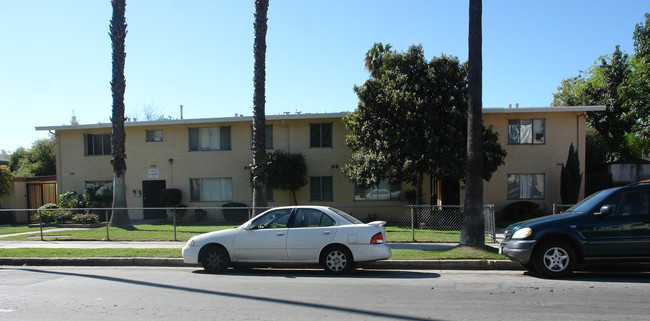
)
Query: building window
[
  {"x": 268, "y": 131},
  {"x": 526, "y": 131},
  {"x": 211, "y": 189},
  {"x": 321, "y": 188},
  {"x": 320, "y": 135},
  {"x": 210, "y": 138},
  {"x": 525, "y": 186},
  {"x": 97, "y": 144},
  {"x": 155, "y": 135},
  {"x": 384, "y": 192}
]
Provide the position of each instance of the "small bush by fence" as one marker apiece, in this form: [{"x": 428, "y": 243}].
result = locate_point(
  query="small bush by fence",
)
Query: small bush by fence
[{"x": 408, "y": 223}]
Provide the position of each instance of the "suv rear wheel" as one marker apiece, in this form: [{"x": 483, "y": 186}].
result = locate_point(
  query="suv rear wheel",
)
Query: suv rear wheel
[{"x": 554, "y": 259}]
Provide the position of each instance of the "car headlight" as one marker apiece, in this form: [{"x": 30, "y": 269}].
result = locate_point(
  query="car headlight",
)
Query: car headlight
[
  {"x": 190, "y": 243},
  {"x": 522, "y": 233}
]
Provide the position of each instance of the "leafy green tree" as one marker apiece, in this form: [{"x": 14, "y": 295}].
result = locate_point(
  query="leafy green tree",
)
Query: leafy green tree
[
  {"x": 595, "y": 151},
  {"x": 639, "y": 78},
  {"x": 258, "y": 168},
  {"x": 570, "y": 92},
  {"x": 40, "y": 160},
  {"x": 120, "y": 216},
  {"x": 410, "y": 120},
  {"x": 287, "y": 171},
  {"x": 16, "y": 157},
  {"x": 570, "y": 178},
  {"x": 607, "y": 87},
  {"x": 6, "y": 181}
]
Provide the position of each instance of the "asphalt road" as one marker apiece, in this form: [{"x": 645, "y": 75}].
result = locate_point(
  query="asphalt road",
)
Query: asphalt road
[{"x": 164, "y": 293}]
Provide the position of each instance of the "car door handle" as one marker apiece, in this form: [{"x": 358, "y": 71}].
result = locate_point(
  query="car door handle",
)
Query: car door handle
[
  {"x": 279, "y": 234},
  {"x": 327, "y": 232}
]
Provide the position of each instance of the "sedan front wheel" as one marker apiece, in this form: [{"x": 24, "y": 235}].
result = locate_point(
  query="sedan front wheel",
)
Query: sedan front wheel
[{"x": 215, "y": 259}]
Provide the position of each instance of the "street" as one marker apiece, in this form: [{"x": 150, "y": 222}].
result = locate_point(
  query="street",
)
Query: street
[{"x": 153, "y": 293}]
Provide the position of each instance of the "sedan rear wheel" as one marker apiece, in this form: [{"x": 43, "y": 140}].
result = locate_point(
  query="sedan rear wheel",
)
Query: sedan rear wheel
[
  {"x": 337, "y": 260},
  {"x": 215, "y": 259}
]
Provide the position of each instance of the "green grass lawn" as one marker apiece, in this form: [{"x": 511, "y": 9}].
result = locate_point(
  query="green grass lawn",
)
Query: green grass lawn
[
  {"x": 456, "y": 253},
  {"x": 165, "y": 232},
  {"x": 144, "y": 232}
]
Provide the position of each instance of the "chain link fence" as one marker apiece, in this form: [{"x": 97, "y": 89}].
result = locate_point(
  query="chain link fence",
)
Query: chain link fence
[{"x": 404, "y": 223}]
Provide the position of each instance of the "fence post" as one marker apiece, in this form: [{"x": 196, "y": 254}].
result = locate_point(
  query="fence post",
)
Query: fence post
[
  {"x": 174, "y": 222},
  {"x": 40, "y": 223},
  {"x": 494, "y": 225},
  {"x": 412, "y": 223},
  {"x": 107, "y": 224}
]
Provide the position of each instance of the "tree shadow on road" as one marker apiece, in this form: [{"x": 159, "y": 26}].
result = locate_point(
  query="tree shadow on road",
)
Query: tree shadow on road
[{"x": 288, "y": 302}]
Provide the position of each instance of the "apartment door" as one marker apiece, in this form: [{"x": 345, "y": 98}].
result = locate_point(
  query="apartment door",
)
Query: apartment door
[{"x": 151, "y": 199}]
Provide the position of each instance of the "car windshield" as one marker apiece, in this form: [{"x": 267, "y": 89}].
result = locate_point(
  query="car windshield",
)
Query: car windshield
[
  {"x": 591, "y": 201},
  {"x": 346, "y": 216}
]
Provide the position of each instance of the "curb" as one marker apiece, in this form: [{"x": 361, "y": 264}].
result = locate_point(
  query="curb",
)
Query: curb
[{"x": 178, "y": 262}]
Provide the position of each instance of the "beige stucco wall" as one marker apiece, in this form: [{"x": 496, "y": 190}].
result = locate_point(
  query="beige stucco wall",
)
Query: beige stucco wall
[
  {"x": 562, "y": 130},
  {"x": 291, "y": 133},
  {"x": 17, "y": 200}
]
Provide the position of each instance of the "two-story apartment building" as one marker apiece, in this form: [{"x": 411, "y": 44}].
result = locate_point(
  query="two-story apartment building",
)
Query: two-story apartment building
[{"x": 208, "y": 159}]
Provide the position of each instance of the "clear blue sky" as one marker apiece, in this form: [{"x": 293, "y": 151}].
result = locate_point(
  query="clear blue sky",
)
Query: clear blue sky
[{"x": 55, "y": 56}]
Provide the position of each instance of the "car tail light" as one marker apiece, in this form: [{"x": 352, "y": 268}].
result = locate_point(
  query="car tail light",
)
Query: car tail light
[{"x": 377, "y": 239}]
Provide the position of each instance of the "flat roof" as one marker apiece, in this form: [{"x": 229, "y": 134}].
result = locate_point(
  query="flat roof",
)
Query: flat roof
[
  {"x": 197, "y": 121},
  {"x": 288, "y": 116},
  {"x": 563, "y": 109}
]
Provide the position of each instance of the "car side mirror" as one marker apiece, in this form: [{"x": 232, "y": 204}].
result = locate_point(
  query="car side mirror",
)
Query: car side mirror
[{"x": 604, "y": 211}]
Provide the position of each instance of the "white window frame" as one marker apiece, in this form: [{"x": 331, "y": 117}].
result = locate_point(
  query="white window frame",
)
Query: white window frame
[
  {"x": 526, "y": 186},
  {"x": 210, "y": 138},
  {"x": 104, "y": 149},
  {"x": 153, "y": 135},
  {"x": 527, "y": 131},
  {"x": 212, "y": 189},
  {"x": 383, "y": 192}
]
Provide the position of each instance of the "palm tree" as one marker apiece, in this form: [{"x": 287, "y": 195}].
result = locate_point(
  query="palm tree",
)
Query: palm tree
[
  {"x": 258, "y": 168},
  {"x": 120, "y": 216},
  {"x": 472, "y": 231}
]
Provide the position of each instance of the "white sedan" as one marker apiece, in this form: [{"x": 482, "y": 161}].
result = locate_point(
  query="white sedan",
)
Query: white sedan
[{"x": 292, "y": 235}]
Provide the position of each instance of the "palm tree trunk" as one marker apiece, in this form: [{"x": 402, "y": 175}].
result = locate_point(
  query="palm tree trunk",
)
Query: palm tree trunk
[
  {"x": 472, "y": 231},
  {"x": 258, "y": 167},
  {"x": 120, "y": 216}
]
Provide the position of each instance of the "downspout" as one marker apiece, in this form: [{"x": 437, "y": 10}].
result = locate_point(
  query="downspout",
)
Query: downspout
[
  {"x": 578, "y": 132},
  {"x": 583, "y": 165},
  {"x": 57, "y": 139}
]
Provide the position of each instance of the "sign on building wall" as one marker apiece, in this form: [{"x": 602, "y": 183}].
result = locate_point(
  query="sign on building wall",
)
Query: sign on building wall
[{"x": 154, "y": 173}]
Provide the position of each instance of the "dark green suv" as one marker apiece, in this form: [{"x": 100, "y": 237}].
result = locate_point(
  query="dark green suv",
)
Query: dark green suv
[{"x": 610, "y": 226}]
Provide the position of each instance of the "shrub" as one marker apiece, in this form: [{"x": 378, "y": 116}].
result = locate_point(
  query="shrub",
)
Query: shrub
[
  {"x": 63, "y": 217},
  {"x": 46, "y": 214},
  {"x": 171, "y": 197},
  {"x": 200, "y": 214},
  {"x": 235, "y": 215},
  {"x": 85, "y": 218},
  {"x": 521, "y": 210}
]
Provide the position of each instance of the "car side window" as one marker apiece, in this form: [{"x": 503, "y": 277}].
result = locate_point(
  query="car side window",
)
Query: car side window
[
  {"x": 636, "y": 202},
  {"x": 272, "y": 219},
  {"x": 307, "y": 217},
  {"x": 326, "y": 220}
]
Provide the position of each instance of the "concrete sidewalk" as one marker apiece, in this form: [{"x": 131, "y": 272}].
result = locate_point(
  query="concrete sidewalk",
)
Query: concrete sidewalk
[{"x": 178, "y": 262}]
